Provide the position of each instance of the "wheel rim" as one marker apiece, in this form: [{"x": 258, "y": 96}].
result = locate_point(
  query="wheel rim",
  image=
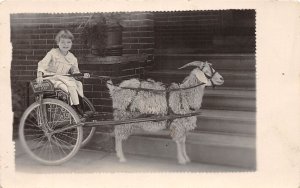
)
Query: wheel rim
[{"x": 38, "y": 139}]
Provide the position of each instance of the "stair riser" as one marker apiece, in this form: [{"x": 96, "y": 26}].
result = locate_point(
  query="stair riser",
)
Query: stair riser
[
  {"x": 219, "y": 63},
  {"x": 212, "y": 154},
  {"x": 244, "y": 81},
  {"x": 228, "y": 103},
  {"x": 238, "y": 83},
  {"x": 225, "y": 126}
]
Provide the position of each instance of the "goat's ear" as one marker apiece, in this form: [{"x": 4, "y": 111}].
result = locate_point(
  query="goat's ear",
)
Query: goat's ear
[{"x": 200, "y": 75}]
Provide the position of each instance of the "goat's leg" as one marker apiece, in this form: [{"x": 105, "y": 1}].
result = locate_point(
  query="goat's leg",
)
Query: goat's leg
[
  {"x": 177, "y": 134},
  {"x": 119, "y": 137},
  {"x": 180, "y": 151},
  {"x": 119, "y": 150},
  {"x": 187, "y": 159}
]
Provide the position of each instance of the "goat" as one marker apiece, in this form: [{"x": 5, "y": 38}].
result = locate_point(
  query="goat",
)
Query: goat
[{"x": 133, "y": 98}]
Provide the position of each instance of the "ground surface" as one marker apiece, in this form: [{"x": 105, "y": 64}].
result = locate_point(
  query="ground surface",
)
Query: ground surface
[{"x": 87, "y": 161}]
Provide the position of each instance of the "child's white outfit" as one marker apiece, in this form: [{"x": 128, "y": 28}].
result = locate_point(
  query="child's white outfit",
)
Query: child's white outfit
[{"x": 55, "y": 63}]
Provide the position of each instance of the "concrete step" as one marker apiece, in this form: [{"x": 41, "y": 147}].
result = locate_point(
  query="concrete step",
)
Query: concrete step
[
  {"x": 219, "y": 61},
  {"x": 223, "y": 99},
  {"x": 226, "y": 129},
  {"x": 222, "y": 137},
  {"x": 227, "y": 122},
  {"x": 212, "y": 148},
  {"x": 238, "y": 79},
  {"x": 239, "y": 94}
]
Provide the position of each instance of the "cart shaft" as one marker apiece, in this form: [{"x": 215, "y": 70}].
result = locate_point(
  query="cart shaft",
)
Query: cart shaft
[{"x": 155, "y": 118}]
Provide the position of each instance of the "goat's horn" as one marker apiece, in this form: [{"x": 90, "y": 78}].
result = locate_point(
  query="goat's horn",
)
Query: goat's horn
[{"x": 193, "y": 63}]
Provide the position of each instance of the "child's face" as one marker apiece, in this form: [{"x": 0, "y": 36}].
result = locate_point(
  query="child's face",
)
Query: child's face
[{"x": 64, "y": 44}]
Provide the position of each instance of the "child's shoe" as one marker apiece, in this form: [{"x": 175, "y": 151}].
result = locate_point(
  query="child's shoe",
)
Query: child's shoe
[{"x": 79, "y": 111}]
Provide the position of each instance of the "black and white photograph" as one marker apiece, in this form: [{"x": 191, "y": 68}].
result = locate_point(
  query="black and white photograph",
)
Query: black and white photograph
[
  {"x": 144, "y": 91},
  {"x": 135, "y": 91}
]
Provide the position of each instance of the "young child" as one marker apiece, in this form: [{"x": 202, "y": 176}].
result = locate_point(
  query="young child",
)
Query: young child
[{"x": 58, "y": 62}]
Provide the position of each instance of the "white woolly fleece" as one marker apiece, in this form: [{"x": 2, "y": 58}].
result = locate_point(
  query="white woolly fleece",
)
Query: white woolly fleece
[{"x": 149, "y": 102}]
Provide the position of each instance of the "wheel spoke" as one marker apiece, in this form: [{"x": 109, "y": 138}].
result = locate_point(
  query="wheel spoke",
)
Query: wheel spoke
[
  {"x": 35, "y": 129},
  {"x": 66, "y": 136},
  {"x": 42, "y": 147},
  {"x": 60, "y": 145},
  {"x": 27, "y": 135},
  {"x": 65, "y": 142},
  {"x": 69, "y": 131},
  {"x": 51, "y": 148},
  {"x": 33, "y": 123},
  {"x": 39, "y": 138}
]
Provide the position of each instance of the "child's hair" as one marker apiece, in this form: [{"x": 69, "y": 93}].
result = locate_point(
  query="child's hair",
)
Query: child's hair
[{"x": 66, "y": 34}]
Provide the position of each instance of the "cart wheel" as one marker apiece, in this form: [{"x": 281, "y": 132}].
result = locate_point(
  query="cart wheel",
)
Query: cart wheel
[
  {"x": 88, "y": 132},
  {"x": 43, "y": 141}
]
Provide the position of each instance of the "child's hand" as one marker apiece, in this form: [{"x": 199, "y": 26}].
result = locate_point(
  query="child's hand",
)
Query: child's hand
[
  {"x": 39, "y": 79},
  {"x": 86, "y": 75}
]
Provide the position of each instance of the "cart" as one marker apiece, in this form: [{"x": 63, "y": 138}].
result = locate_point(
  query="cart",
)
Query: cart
[{"x": 51, "y": 131}]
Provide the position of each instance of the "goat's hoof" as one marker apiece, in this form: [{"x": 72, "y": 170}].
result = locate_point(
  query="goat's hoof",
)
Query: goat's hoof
[
  {"x": 188, "y": 160},
  {"x": 182, "y": 162},
  {"x": 123, "y": 160}
]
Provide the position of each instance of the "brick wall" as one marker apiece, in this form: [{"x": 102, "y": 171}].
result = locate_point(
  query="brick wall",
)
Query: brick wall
[
  {"x": 32, "y": 36},
  {"x": 96, "y": 89},
  {"x": 138, "y": 33}
]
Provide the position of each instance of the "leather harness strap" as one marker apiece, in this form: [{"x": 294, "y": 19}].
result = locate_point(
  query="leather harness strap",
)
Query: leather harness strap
[
  {"x": 213, "y": 72},
  {"x": 136, "y": 92},
  {"x": 168, "y": 90}
]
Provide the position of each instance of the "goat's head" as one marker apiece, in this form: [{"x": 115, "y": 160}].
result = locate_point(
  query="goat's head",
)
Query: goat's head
[{"x": 214, "y": 78}]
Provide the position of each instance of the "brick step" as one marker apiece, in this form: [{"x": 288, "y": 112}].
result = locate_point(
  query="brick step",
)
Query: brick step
[
  {"x": 219, "y": 61},
  {"x": 229, "y": 100},
  {"x": 203, "y": 147},
  {"x": 225, "y": 121},
  {"x": 236, "y": 79}
]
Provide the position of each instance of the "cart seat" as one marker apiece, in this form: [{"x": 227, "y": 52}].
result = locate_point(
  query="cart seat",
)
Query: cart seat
[{"x": 47, "y": 89}]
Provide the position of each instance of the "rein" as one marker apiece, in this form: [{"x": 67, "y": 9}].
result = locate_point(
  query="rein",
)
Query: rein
[
  {"x": 137, "y": 89},
  {"x": 159, "y": 90}
]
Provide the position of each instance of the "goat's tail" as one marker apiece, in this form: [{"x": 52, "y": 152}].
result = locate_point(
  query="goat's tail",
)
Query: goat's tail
[{"x": 110, "y": 86}]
